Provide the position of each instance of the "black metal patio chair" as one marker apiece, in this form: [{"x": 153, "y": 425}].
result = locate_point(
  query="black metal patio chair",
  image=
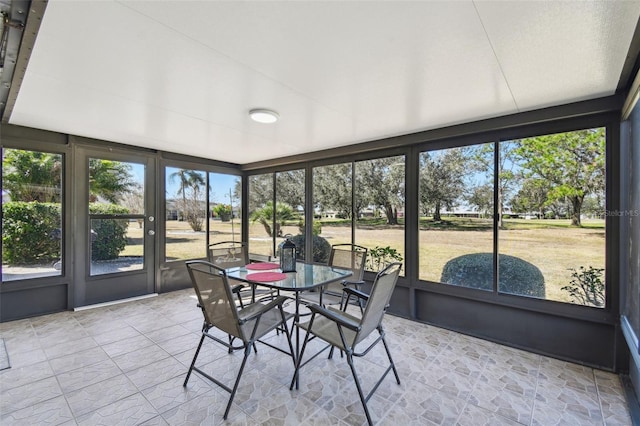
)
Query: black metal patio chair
[
  {"x": 245, "y": 325},
  {"x": 345, "y": 331}
]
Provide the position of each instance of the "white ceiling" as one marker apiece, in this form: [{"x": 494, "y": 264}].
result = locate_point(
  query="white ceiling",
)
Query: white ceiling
[{"x": 181, "y": 76}]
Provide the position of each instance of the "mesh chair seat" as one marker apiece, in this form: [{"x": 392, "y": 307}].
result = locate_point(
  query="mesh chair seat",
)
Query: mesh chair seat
[
  {"x": 269, "y": 320},
  {"x": 328, "y": 330}
]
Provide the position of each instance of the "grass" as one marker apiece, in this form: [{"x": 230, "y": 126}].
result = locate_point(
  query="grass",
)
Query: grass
[
  {"x": 554, "y": 251},
  {"x": 552, "y": 245}
]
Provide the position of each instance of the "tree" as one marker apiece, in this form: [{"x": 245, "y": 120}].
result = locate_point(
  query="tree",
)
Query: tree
[
  {"x": 264, "y": 215},
  {"x": 134, "y": 201},
  {"x": 483, "y": 160},
  {"x": 32, "y": 176},
  {"x": 441, "y": 180},
  {"x": 260, "y": 190},
  {"x": 361, "y": 198},
  {"x": 109, "y": 180},
  {"x": 290, "y": 188},
  {"x": 594, "y": 205},
  {"x": 481, "y": 196},
  {"x": 332, "y": 188},
  {"x": 36, "y": 176},
  {"x": 531, "y": 197},
  {"x": 381, "y": 182},
  {"x": 573, "y": 163},
  {"x": 191, "y": 186},
  {"x": 187, "y": 179},
  {"x": 196, "y": 207}
]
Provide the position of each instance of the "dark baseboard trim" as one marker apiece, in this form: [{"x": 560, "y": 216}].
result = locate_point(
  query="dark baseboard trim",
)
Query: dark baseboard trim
[{"x": 632, "y": 399}]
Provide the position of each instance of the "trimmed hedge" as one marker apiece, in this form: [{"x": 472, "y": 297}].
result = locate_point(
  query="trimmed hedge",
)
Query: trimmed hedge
[
  {"x": 516, "y": 276},
  {"x": 321, "y": 248},
  {"x": 110, "y": 236},
  {"x": 30, "y": 232}
]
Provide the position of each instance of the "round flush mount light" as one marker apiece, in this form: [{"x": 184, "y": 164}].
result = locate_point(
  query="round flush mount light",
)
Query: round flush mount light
[{"x": 264, "y": 115}]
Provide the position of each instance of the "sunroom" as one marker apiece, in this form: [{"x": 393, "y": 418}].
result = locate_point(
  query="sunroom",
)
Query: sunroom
[{"x": 490, "y": 147}]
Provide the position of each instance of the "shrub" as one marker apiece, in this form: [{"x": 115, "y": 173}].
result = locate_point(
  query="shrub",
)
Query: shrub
[
  {"x": 380, "y": 257},
  {"x": 475, "y": 270},
  {"x": 321, "y": 248},
  {"x": 223, "y": 211},
  {"x": 586, "y": 287},
  {"x": 110, "y": 236},
  {"x": 30, "y": 232},
  {"x": 264, "y": 215},
  {"x": 317, "y": 227}
]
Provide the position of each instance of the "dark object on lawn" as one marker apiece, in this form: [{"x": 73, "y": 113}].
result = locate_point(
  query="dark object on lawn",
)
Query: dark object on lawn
[
  {"x": 516, "y": 276},
  {"x": 321, "y": 248}
]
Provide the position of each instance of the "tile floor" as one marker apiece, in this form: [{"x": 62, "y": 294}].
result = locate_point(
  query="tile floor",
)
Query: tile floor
[{"x": 125, "y": 364}]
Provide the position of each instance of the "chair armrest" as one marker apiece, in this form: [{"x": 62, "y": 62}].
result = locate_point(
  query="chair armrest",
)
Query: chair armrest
[
  {"x": 357, "y": 293},
  {"x": 256, "y": 309},
  {"x": 353, "y": 283},
  {"x": 334, "y": 316},
  {"x": 236, "y": 288}
]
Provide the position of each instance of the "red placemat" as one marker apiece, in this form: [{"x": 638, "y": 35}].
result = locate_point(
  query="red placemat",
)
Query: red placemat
[
  {"x": 266, "y": 277},
  {"x": 262, "y": 266}
]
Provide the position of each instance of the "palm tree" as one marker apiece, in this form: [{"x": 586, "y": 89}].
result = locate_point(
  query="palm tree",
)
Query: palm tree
[
  {"x": 32, "y": 176},
  {"x": 194, "y": 180},
  {"x": 188, "y": 179},
  {"x": 109, "y": 180},
  {"x": 264, "y": 215}
]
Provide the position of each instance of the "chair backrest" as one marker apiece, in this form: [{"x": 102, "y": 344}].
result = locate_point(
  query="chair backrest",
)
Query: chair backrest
[
  {"x": 349, "y": 256},
  {"x": 228, "y": 254},
  {"x": 214, "y": 296},
  {"x": 379, "y": 297}
]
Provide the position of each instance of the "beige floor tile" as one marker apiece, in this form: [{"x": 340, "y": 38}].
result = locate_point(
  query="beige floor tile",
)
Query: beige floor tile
[
  {"x": 125, "y": 364},
  {"x": 53, "y": 411},
  {"x": 101, "y": 394},
  {"x": 24, "y": 396},
  {"x": 82, "y": 377},
  {"x": 132, "y": 410}
]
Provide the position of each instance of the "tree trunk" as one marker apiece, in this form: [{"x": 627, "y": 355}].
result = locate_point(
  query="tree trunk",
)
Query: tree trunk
[
  {"x": 576, "y": 204},
  {"x": 185, "y": 213},
  {"x": 436, "y": 212},
  {"x": 500, "y": 207},
  {"x": 391, "y": 218},
  {"x": 266, "y": 226}
]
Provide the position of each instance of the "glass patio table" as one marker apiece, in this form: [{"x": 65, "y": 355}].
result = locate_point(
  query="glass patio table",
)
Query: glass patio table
[{"x": 306, "y": 277}]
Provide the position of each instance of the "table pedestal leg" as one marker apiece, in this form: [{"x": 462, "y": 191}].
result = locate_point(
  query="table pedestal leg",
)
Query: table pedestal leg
[{"x": 296, "y": 319}]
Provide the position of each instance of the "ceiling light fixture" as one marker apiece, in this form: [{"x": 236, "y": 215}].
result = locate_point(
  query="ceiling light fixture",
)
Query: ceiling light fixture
[{"x": 264, "y": 115}]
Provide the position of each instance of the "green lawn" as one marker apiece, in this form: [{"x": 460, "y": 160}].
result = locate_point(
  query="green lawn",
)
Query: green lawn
[{"x": 552, "y": 245}]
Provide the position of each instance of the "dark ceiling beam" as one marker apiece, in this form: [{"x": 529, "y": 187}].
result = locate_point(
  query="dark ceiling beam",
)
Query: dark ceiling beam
[
  {"x": 27, "y": 16},
  {"x": 631, "y": 63}
]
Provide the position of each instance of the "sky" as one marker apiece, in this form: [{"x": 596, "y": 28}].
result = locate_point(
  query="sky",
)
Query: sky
[{"x": 220, "y": 183}]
